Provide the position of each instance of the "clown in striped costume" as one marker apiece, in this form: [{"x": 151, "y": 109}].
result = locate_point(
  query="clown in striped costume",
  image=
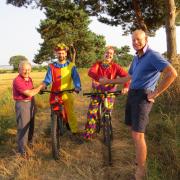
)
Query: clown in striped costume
[
  {"x": 63, "y": 75},
  {"x": 105, "y": 68}
]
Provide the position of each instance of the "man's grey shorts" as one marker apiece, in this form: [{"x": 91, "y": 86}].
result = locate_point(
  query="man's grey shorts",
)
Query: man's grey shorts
[{"x": 137, "y": 110}]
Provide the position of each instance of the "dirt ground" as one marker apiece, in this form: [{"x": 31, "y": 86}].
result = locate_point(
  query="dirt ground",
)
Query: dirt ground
[{"x": 78, "y": 162}]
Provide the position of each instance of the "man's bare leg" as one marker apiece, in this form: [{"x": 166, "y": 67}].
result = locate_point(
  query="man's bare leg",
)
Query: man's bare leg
[{"x": 141, "y": 153}]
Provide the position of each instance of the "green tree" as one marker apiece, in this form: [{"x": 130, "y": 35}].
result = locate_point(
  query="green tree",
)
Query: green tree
[
  {"x": 15, "y": 60},
  {"x": 65, "y": 22},
  {"x": 130, "y": 14},
  {"x": 20, "y": 3},
  {"x": 149, "y": 15},
  {"x": 123, "y": 56}
]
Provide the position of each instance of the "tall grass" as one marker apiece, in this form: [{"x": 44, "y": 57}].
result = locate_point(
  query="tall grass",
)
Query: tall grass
[
  {"x": 7, "y": 119},
  {"x": 163, "y": 133},
  {"x": 164, "y": 136},
  {"x": 7, "y": 109},
  {"x": 7, "y": 103}
]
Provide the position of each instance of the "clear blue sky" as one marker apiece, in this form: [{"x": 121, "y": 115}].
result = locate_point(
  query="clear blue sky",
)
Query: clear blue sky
[{"x": 18, "y": 34}]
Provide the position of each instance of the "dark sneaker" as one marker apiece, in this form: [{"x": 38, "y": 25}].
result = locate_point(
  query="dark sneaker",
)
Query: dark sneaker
[
  {"x": 30, "y": 145},
  {"x": 75, "y": 138},
  {"x": 24, "y": 155}
]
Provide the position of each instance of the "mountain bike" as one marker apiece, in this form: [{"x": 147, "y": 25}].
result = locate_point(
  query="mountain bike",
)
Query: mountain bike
[
  {"x": 104, "y": 119},
  {"x": 59, "y": 122}
]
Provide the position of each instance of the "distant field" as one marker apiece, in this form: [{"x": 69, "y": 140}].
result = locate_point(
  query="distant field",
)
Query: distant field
[{"x": 7, "y": 78}]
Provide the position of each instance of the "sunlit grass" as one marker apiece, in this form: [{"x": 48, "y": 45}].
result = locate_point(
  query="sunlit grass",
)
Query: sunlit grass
[
  {"x": 77, "y": 162},
  {"x": 164, "y": 135},
  {"x": 82, "y": 162}
]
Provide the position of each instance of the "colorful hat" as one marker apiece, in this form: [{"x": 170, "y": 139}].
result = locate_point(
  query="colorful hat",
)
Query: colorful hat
[{"x": 61, "y": 46}]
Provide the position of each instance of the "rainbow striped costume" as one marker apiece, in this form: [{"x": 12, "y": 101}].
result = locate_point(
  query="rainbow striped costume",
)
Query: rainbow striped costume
[
  {"x": 63, "y": 77},
  {"x": 97, "y": 71}
]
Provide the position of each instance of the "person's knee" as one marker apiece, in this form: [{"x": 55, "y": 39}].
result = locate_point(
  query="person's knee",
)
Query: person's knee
[{"x": 137, "y": 136}]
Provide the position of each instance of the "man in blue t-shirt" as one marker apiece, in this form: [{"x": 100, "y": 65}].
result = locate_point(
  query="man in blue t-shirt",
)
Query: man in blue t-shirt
[{"x": 144, "y": 74}]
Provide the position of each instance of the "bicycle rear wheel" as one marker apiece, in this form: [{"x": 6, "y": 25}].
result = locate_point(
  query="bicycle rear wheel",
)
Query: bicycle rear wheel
[
  {"x": 55, "y": 135},
  {"x": 107, "y": 134},
  {"x": 111, "y": 131},
  {"x": 98, "y": 125}
]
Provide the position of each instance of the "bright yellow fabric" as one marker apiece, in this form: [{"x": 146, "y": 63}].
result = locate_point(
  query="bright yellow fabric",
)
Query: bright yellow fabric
[
  {"x": 68, "y": 100},
  {"x": 66, "y": 79}
]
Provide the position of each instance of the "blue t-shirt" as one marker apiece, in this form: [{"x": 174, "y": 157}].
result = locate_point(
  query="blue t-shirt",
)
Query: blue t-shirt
[{"x": 145, "y": 70}]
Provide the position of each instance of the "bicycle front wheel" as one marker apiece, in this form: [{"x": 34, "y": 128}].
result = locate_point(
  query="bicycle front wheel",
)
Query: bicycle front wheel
[
  {"x": 55, "y": 135},
  {"x": 107, "y": 133},
  {"x": 98, "y": 119}
]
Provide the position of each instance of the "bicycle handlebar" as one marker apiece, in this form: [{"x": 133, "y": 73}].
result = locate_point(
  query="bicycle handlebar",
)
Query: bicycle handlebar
[
  {"x": 57, "y": 92},
  {"x": 103, "y": 93}
]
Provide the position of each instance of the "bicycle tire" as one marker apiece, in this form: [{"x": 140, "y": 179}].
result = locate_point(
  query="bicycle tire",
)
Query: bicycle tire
[
  {"x": 98, "y": 119},
  {"x": 98, "y": 125},
  {"x": 68, "y": 127},
  {"x": 107, "y": 134},
  {"x": 55, "y": 135},
  {"x": 61, "y": 126},
  {"x": 111, "y": 130}
]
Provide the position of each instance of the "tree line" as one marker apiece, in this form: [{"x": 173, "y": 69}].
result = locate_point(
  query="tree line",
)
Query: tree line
[{"x": 67, "y": 21}]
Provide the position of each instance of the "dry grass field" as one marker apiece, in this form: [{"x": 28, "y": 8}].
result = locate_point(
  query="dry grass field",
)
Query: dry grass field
[
  {"x": 86, "y": 161},
  {"x": 78, "y": 162},
  {"x": 6, "y": 80}
]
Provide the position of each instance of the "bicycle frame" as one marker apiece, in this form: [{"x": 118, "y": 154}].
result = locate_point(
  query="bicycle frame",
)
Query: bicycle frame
[
  {"x": 58, "y": 120},
  {"x": 103, "y": 108},
  {"x": 104, "y": 114}
]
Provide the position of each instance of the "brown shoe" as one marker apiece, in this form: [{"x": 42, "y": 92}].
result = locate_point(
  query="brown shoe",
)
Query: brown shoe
[
  {"x": 23, "y": 155},
  {"x": 74, "y": 137}
]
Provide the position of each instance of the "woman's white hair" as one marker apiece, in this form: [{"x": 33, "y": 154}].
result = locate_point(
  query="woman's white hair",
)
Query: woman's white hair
[{"x": 24, "y": 62}]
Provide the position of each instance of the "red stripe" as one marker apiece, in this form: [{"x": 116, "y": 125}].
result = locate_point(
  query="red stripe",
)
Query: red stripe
[{"x": 56, "y": 81}]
